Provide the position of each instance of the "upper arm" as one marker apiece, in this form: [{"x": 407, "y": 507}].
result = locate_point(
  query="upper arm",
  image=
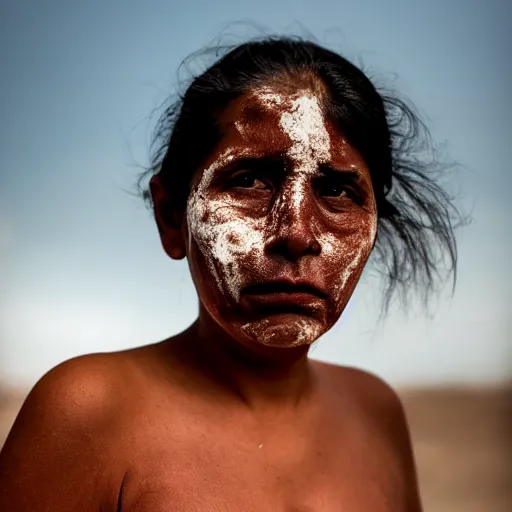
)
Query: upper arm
[
  {"x": 398, "y": 431},
  {"x": 55, "y": 457},
  {"x": 384, "y": 406}
]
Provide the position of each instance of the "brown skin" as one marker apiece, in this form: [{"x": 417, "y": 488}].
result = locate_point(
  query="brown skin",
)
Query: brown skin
[
  {"x": 325, "y": 239},
  {"x": 211, "y": 419}
]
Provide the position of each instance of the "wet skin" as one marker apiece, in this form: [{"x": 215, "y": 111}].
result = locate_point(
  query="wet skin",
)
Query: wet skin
[{"x": 232, "y": 415}]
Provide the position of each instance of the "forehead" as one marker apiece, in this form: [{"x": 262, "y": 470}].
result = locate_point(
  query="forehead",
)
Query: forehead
[{"x": 254, "y": 121}]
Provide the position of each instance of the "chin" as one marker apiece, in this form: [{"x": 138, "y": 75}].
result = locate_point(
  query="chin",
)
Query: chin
[{"x": 284, "y": 331}]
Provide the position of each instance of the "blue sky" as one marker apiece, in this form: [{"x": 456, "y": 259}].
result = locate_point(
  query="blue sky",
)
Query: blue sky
[{"x": 81, "y": 267}]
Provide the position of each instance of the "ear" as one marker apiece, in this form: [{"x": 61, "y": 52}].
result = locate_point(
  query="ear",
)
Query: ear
[{"x": 169, "y": 220}]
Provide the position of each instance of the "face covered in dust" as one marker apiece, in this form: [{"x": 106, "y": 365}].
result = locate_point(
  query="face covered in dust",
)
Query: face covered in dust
[{"x": 280, "y": 221}]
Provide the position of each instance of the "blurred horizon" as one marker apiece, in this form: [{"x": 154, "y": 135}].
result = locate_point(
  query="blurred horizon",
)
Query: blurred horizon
[{"x": 82, "y": 267}]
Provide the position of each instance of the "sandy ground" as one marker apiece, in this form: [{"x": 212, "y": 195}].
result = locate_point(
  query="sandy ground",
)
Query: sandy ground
[
  {"x": 462, "y": 440},
  {"x": 463, "y": 445}
]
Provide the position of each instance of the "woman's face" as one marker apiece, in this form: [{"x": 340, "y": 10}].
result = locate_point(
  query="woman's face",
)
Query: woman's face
[{"x": 280, "y": 222}]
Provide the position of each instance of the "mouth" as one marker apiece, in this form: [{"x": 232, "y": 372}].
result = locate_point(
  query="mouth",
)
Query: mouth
[
  {"x": 285, "y": 297},
  {"x": 285, "y": 288}
]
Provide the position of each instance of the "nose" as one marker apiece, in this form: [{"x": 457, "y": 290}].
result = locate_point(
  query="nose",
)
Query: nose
[{"x": 291, "y": 234}]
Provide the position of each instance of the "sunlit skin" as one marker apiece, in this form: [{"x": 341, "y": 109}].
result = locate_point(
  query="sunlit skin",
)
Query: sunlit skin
[{"x": 232, "y": 415}]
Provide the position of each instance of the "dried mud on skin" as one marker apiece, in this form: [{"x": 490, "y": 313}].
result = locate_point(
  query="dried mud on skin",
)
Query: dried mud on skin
[{"x": 462, "y": 440}]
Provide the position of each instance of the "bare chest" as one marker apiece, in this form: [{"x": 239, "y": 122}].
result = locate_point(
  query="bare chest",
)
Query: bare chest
[{"x": 229, "y": 473}]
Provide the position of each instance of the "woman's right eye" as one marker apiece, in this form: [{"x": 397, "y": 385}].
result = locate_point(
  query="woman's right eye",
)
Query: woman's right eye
[{"x": 247, "y": 179}]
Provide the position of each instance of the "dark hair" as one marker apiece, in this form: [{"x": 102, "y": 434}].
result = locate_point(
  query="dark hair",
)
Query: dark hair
[{"x": 416, "y": 216}]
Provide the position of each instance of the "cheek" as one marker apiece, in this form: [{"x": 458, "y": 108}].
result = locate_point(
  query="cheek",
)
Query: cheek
[
  {"x": 229, "y": 243},
  {"x": 345, "y": 257}
]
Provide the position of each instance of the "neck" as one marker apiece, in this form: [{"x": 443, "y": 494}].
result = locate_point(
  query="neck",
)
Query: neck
[{"x": 260, "y": 377}]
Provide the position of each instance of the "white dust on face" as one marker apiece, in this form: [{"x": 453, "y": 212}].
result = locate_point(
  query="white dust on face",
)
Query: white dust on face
[
  {"x": 350, "y": 264},
  {"x": 222, "y": 234},
  {"x": 226, "y": 237}
]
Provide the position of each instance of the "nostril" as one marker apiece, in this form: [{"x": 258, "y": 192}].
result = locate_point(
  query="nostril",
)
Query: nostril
[{"x": 316, "y": 247}]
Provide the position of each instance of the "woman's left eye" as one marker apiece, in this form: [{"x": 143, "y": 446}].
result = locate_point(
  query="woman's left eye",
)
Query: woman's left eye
[{"x": 333, "y": 188}]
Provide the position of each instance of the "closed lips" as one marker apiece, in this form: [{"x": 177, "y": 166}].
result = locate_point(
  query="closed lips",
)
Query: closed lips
[{"x": 284, "y": 287}]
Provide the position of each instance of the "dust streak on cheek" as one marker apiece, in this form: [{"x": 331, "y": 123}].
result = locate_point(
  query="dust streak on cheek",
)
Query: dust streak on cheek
[
  {"x": 349, "y": 254},
  {"x": 223, "y": 236}
]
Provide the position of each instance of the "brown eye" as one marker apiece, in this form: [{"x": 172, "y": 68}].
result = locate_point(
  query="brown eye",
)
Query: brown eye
[
  {"x": 248, "y": 179},
  {"x": 333, "y": 190},
  {"x": 331, "y": 186}
]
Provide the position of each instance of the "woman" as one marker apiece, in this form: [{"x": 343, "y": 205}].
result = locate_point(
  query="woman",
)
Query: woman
[{"x": 276, "y": 175}]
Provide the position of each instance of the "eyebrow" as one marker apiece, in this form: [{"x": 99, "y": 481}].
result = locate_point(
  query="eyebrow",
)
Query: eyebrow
[
  {"x": 352, "y": 173},
  {"x": 256, "y": 162}
]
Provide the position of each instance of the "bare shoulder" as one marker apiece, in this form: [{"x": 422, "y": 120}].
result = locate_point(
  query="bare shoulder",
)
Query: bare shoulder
[
  {"x": 368, "y": 390},
  {"x": 59, "y": 438},
  {"x": 80, "y": 391},
  {"x": 382, "y": 415}
]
